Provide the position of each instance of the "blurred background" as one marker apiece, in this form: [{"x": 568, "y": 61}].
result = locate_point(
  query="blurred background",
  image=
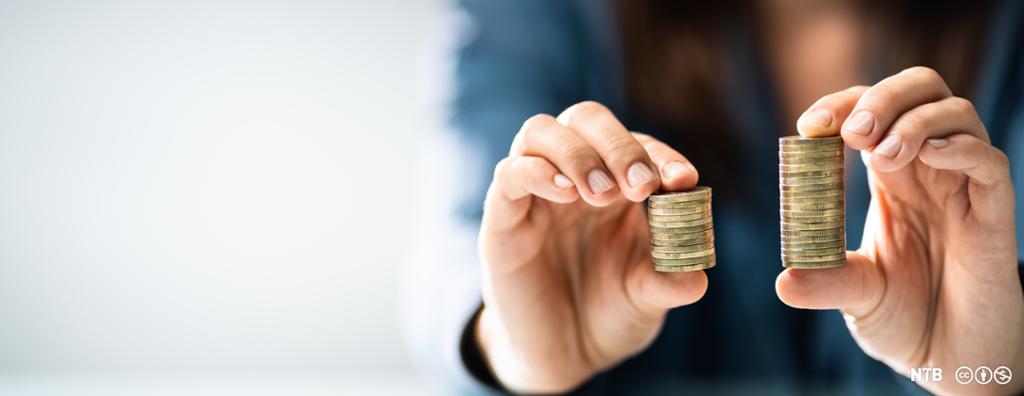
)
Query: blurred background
[{"x": 210, "y": 197}]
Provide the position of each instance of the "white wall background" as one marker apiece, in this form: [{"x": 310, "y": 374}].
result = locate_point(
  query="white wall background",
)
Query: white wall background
[{"x": 206, "y": 187}]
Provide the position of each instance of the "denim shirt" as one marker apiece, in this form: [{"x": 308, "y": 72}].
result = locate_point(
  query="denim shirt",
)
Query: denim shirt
[{"x": 519, "y": 58}]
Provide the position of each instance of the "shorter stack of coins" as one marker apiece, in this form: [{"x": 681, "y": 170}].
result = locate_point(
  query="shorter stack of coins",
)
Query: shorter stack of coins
[
  {"x": 682, "y": 235},
  {"x": 813, "y": 205}
]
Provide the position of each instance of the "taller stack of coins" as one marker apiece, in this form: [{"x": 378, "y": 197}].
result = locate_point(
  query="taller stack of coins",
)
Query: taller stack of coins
[
  {"x": 682, "y": 235},
  {"x": 813, "y": 205}
]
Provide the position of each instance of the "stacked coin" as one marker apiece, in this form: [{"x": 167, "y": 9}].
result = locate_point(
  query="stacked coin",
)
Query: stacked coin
[
  {"x": 813, "y": 205},
  {"x": 682, "y": 235}
]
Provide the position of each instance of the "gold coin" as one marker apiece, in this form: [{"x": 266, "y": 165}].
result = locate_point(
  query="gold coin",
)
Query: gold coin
[
  {"x": 808, "y": 258},
  {"x": 679, "y": 224},
  {"x": 685, "y": 217},
  {"x": 805, "y": 200},
  {"x": 799, "y": 199},
  {"x": 699, "y": 193},
  {"x": 812, "y": 252},
  {"x": 701, "y": 235},
  {"x": 814, "y": 245},
  {"x": 680, "y": 230},
  {"x": 814, "y": 220},
  {"x": 810, "y": 161},
  {"x": 825, "y": 192},
  {"x": 683, "y": 249},
  {"x": 795, "y": 216},
  {"x": 683, "y": 261},
  {"x": 838, "y": 200},
  {"x": 804, "y": 240},
  {"x": 811, "y": 226},
  {"x": 681, "y": 243},
  {"x": 683, "y": 255},
  {"x": 812, "y": 205},
  {"x": 786, "y": 152},
  {"x": 689, "y": 205},
  {"x": 684, "y": 268},
  {"x": 813, "y": 187},
  {"x": 814, "y": 233},
  {"x": 810, "y": 200},
  {"x": 804, "y": 148},
  {"x": 814, "y": 265},
  {"x": 706, "y": 208},
  {"x": 809, "y": 144},
  {"x": 820, "y": 173},
  {"x": 800, "y": 140},
  {"x": 804, "y": 181},
  {"x": 835, "y": 165}
]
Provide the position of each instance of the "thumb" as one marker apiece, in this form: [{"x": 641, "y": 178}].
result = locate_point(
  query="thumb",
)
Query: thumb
[
  {"x": 653, "y": 292},
  {"x": 856, "y": 288}
]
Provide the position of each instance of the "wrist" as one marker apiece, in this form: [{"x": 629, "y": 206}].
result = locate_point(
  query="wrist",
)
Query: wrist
[{"x": 515, "y": 372}]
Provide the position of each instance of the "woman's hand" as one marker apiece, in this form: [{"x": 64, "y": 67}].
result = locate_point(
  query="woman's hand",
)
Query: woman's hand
[
  {"x": 934, "y": 283},
  {"x": 568, "y": 284}
]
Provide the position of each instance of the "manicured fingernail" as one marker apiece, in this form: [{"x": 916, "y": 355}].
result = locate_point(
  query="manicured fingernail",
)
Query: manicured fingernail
[
  {"x": 562, "y": 182},
  {"x": 674, "y": 169},
  {"x": 938, "y": 143},
  {"x": 861, "y": 123},
  {"x": 599, "y": 181},
  {"x": 820, "y": 118},
  {"x": 639, "y": 174},
  {"x": 890, "y": 146}
]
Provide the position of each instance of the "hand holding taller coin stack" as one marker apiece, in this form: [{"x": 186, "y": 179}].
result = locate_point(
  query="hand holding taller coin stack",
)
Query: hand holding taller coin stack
[
  {"x": 812, "y": 200},
  {"x": 682, "y": 233}
]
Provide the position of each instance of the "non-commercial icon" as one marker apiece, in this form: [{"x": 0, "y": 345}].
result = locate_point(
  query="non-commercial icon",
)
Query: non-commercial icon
[{"x": 1002, "y": 375}]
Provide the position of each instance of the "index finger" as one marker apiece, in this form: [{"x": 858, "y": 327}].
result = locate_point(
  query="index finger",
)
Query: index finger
[
  {"x": 825, "y": 116},
  {"x": 677, "y": 173},
  {"x": 884, "y": 102}
]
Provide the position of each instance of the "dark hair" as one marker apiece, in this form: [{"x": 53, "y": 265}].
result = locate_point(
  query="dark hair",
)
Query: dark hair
[{"x": 673, "y": 52}]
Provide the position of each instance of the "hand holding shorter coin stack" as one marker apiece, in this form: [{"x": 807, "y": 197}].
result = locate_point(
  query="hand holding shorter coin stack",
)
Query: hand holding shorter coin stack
[
  {"x": 812, "y": 198},
  {"x": 682, "y": 234}
]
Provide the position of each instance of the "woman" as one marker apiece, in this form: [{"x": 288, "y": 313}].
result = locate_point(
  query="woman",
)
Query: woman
[{"x": 569, "y": 297}]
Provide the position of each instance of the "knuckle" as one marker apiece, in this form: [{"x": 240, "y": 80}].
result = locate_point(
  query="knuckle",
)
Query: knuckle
[
  {"x": 929, "y": 77},
  {"x": 921, "y": 71},
  {"x": 622, "y": 147},
  {"x": 502, "y": 168},
  {"x": 1001, "y": 160},
  {"x": 914, "y": 121},
  {"x": 962, "y": 105},
  {"x": 586, "y": 109},
  {"x": 590, "y": 106},
  {"x": 576, "y": 154},
  {"x": 1000, "y": 163},
  {"x": 831, "y": 99},
  {"x": 536, "y": 166},
  {"x": 536, "y": 121},
  {"x": 642, "y": 137},
  {"x": 880, "y": 96}
]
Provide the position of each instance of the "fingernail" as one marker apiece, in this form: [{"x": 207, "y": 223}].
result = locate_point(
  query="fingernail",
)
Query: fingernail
[
  {"x": 599, "y": 181},
  {"x": 639, "y": 174},
  {"x": 889, "y": 146},
  {"x": 861, "y": 123},
  {"x": 938, "y": 143},
  {"x": 820, "y": 117},
  {"x": 673, "y": 169},
  {"x": 562, "y": 182}
]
